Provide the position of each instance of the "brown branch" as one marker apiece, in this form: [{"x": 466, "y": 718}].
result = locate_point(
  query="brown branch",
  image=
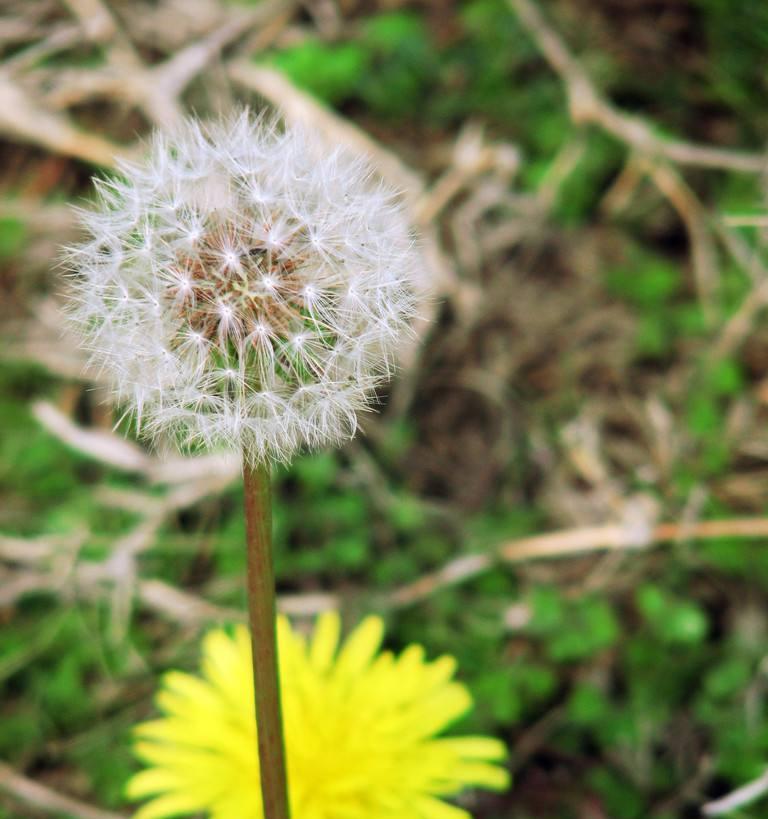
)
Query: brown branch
[
  {"x": 106, "y": 447},
  {"x": 300, "y": 107},
  {"x": 51, "y": 565},
  {"x": 739, "y": 325},
  {"x": 570, "y": 543},
  {"x": 588, "y": 106},
  {"x": 100, "y": 26},
  {"x": 181, "y": 606},
  {"x": 472, "y": 157},
  {"x": 21, "y": 118},
  {"x": 161, "y": 87},
  {"x": 739, "y": 798},
  {"x": 45, "y": 799},
  {"x": 215, "y": 471},
  {"x": 43, "y": 342},
  {"x": 157, "y": 90},
  {"x": 690, "y": 210},
  {"x": 189, "y": 609}
]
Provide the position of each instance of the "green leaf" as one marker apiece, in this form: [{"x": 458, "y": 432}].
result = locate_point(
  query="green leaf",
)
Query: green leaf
[
  {"x": 587, "y": 705},
  {"x": 330, "y": 72},
  {"x": 13, "y": 236},
  {"x": 547, "y": 609},
  {"x": 648, "y": 282},
  {"x": 589, "y": 628},
  {"x": 406, "y": 513},
  {"x": 686, "y": 623},
  {"x": 395, "y": 31},
  {"x": 673, "y": 620},
  {"x": 316, "y": 472},
  {"x": 622, "y": 800},
  {"x": 349, "y": 552},
  {"x": 726, "y": 377},
  {"x": 728, "y": 678},
  {"x": 704, "y": 415},
  {"x": 495, "y": 691}
]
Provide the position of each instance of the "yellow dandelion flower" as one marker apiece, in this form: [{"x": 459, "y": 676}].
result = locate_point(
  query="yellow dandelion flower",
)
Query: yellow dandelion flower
[{"x": 362, "y": 732}]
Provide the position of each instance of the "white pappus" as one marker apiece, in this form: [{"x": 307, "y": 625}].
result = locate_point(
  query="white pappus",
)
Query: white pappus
[{"x": 244, "y": 286}]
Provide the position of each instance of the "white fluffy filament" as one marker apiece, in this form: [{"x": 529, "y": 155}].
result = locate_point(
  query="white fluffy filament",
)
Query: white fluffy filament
[{"x": 244, "y": 287}]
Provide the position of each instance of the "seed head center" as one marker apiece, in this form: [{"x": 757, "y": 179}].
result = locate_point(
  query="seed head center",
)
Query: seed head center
[{"x": 229, "y": 286}]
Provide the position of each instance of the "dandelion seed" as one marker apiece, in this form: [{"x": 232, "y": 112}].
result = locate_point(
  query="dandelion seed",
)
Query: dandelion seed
[{"x": 289, "y": 262}]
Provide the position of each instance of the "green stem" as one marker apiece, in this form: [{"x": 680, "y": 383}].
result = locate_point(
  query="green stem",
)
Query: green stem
[{"x": 262, "y": 612}]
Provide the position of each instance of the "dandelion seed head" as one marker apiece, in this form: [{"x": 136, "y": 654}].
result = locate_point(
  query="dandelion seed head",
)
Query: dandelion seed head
[{"x": 249, "y": 249}]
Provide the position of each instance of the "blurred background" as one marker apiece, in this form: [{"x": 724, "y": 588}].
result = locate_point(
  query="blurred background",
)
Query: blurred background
[{"x": 566, "y": 485}]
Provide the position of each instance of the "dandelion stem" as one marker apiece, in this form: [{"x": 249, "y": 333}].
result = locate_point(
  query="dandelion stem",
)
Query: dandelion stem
[{"x": 262, "y": 612}]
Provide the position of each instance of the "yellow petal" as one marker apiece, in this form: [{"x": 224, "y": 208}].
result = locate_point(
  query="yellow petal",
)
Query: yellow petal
[
  {"x": 435, "y": 809},
  {"x": 151, "y": 781},
  {"x": 174, "y": 804},
  {"x": 325, "y": 640},
  {"x": 487, "y": 748},
  {"x": 360, "y": 648}
]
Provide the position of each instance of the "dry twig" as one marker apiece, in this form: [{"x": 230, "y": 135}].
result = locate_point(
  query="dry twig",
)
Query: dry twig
[
  {"x": 588, "y": 106},
  {"x": 22, "y": 118},
  {"x": 215, "y": 471},
  {"x": 299, "y": 106},
  {"x": 739, "y": 798},
  {"x": 45, "y": 799},
  {"x": 703, "y": 252},
  {"x": 570, "y": 543},
  {"x": 110, "y": 449}
]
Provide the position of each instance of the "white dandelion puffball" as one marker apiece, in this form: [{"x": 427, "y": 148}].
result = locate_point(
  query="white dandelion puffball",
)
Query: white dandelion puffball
[{"x": 245, "y": 286}]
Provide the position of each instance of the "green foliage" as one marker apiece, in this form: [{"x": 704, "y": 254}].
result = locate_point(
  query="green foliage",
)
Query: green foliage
[
  {"x": 395, "y": 69},
  {"x": 573, "y": 630},
  {"x": 329, "y": 71},
  {"x": 503, "y": 695},
  {"x": 647, "y": 282},
  {"x": 735, "y": 32},
  {"x": 404, "y": 64},
  {"x": 33, "y": 467},
  {"x": 389, "y": 68},
  {"x": 582, "y": 189},
  {"x": 672, "y": 620},
  {"x": 13, "y": 235},
  {"x": 652, "y": 284},
  {"x": 620, "y": 797}
]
